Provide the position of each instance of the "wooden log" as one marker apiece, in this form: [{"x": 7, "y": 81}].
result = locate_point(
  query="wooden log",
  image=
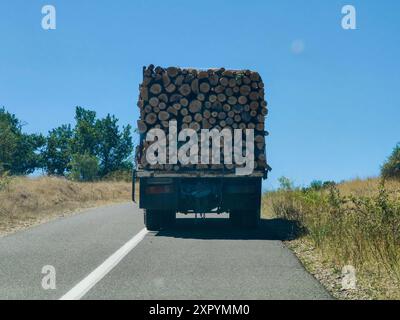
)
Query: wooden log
[
  {"x": 253, "y": 96},
  {"x": 195, "y": 126},
  {"x": 254, "y": 105},
  {"x": 254, "y": 76},
  {"x": 163, "y": 97},
  {"x": 185, "y": 89},
  {"x": 144, "y": 93},
  {"x": 205, "y": 87},
  {"x": 162, "y": 105},
  {"x": 245, "y": 90},
  {"x": 173, "y": 111},
  {"x": 242, "y": 100},
  {"x": 221, "y": 97},
  {"x": 163, "y": 116},
  {"x": 184, "y": 102},
  {"x": 195, "y": 106},
  {"x": 212, "y": 98},
  {"x": 260, "y": 126},
  {"x": 224, "y": 81},
  {"x": 226, "y": 107},
  {"x": 176, "y": 97},
  {"x": 170, "y": 88},
  {"x": 184, "y": 112},
  {"x": 156, "y": 89},
  {"x": 232, "y": 100},
  {"x": 213, "y": 79},
  {"x": 206, "y": 114},
  {"x": 205, "y": 124},
  {"x": 219, "y": 89},
  {"x": 142, "y": 127},
  {"x": 179, "y": 80},
  {"x": 195, "y": 86},
  {"x": 202, "y": 75},
  {"x": 221, "y": 115},
  {"x": 187, "y": 119},
  {"x": 172, "y": 72},
  {"x": 151, "y": 118},
  {"x": 229, "y": 92},
  {"x": 229, "y": 121},
  {"x": 154, "y": 102},
  {"x": 198, "y": 117},
  {"x": 201, "y": 97},
  {"x": 166, "y": 79}
]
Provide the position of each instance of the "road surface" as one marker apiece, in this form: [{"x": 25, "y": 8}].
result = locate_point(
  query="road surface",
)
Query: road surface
[{"x": 106, "y": 253}]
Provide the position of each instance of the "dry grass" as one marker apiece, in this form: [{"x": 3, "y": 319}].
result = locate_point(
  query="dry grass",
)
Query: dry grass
[
  {"x": 357, "y": 223},
  {"x": 25, "y": 201}
]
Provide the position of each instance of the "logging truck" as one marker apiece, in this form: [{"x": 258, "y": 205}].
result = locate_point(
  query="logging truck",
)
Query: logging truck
[{"x": 183, "y": 109}]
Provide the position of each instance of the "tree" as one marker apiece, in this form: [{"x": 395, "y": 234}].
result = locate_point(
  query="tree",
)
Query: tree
[
  {"x": 86, "y": 137},
  {"x": 84, "y": 167},
  {"x": 57, "y": 153},
  {"x": 114, "y": 147},
  {"x": 391, "y": 168},
  {"x": 19, "y": 152}
]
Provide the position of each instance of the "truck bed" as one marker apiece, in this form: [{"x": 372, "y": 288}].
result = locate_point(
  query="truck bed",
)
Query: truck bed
[{"x": 195, "y": 174}]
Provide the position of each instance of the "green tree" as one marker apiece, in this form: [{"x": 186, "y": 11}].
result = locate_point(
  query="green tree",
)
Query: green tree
[
  {"x": 114, "y": 146},
  {"x": 19, "y": 152},
  {"x": 57, "y": 153},
  {"x": 86, "y": 136},
  {"x": 84, "y": 167},
  {"x": 391, "y": 168}
]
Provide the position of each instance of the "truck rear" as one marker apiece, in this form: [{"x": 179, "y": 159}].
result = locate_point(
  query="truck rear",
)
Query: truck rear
[{"x": 202, "y": 144}]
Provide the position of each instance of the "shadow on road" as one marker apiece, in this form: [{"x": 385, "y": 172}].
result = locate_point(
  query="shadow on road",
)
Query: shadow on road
[{"x": 221, "y": 229}]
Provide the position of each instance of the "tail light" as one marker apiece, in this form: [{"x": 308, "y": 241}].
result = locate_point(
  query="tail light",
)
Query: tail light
[{"x": 157, "y": 189}]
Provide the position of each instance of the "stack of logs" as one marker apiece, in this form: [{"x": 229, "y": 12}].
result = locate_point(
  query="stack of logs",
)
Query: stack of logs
[{"x": 202, "y": 99}]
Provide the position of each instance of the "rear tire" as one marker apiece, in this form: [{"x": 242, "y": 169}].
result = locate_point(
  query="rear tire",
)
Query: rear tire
[
  {"x": 155, "y": 220},
  {"x": 245, "y": 218},
  {"x": 251, "y": 218},
  {"x": 152, "y": 220}
]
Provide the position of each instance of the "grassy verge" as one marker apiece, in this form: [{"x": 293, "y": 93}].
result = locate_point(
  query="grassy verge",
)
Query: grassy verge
[
  {"x": 25, "y": 202},
  {"x": 355, "y": 223}
]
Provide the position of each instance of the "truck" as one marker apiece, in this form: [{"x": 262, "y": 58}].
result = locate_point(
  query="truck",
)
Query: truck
[{"x": 167, "y": 190}]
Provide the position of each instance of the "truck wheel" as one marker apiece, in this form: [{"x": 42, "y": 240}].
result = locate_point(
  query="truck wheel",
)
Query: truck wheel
[
  {"x": 152, "y": 220},
  {"x": 169, "y": 218},
  {"x": 235, "y": 218},
  {"x": 245, "y": 218},
  {"x": 251, "y": 218}
]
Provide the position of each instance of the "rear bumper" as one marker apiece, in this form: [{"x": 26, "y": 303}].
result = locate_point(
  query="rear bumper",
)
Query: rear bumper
[{"x": 200, "y": 194}]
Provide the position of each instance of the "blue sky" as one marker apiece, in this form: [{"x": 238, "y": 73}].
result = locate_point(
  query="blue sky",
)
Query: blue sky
[{"x": 334, "y": 104}]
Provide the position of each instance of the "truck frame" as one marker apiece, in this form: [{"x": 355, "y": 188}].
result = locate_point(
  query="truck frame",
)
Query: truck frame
[{"x": 163, "y": 194}]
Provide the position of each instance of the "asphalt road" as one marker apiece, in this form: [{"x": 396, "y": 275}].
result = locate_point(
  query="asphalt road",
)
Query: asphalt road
[{"x": 197, "y": 259}]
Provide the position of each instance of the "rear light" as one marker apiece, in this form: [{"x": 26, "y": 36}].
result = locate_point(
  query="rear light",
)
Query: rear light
[{"x": 159, "y": 189}]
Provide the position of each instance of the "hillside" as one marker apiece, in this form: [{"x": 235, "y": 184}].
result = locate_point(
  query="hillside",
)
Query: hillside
[{"x": 28, "y": 201}]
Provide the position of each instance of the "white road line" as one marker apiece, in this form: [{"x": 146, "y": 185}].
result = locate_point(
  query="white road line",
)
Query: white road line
[{"x": 96, "y": 275}]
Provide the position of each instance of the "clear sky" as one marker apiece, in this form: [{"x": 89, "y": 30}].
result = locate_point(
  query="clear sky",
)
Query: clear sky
[{"x": 334, "y": 94}]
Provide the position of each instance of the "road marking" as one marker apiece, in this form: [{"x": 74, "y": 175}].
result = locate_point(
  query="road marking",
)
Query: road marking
[{"x": 96, "y": 275}]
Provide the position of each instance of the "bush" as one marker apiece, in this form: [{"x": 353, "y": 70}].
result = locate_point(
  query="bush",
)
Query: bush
[
  {"x": 391, "y": 168},
  {"x": 84, "y": 167}
]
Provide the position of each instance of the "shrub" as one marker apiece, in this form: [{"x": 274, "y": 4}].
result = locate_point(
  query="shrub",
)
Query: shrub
[
  {"x": 391, "y": 168},
  {"x": 84, "y": 167}
]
